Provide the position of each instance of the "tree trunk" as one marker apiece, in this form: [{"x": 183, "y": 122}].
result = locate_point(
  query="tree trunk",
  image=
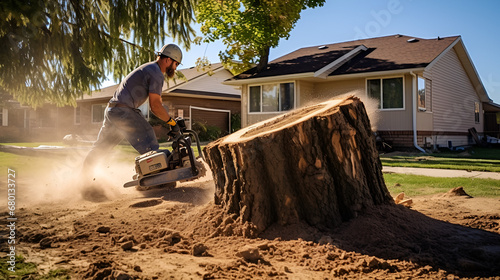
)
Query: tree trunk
[
  {"x": 263, "y": 60},
  {"x": 318, "y": 164}
]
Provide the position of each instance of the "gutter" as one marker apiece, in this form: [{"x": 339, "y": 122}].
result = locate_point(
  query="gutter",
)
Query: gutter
[
  {"x": 310, "y": 77},
  {"x": 414, "y": 110}
]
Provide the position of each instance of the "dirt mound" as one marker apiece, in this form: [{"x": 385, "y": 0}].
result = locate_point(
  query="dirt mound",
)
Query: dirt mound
[
  {"x": 458, "y": 191},
  {"x": 399, "y": 233},
  {"x": 181, "y": 234}
]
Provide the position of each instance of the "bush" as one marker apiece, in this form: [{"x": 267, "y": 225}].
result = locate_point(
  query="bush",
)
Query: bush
[
  {"x": 206, "y": 132},
  {"x": 235, "y": 122}
]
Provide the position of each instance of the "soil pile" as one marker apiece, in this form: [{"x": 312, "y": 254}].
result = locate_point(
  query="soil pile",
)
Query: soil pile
[{"x": 180, "y": 234}]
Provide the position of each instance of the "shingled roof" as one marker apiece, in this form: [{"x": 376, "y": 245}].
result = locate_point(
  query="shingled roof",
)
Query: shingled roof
[{"x": 368, "y": 55}]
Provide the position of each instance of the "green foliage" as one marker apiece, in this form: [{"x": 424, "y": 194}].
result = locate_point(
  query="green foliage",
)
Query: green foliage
[
  {"x": 206, "y": 132},
  {"x": 235, "y": 122},
  {"x": 22, "y": 268},
  {"x": 249, "y": 28},
  {"x": 56, "y": 51},
  {"x": 27, "y": 270}
]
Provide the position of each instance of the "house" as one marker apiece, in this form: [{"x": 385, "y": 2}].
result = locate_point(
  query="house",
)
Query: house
[
  {"x": 427, "y": 91},
  {"x": 199, "y": 98}
]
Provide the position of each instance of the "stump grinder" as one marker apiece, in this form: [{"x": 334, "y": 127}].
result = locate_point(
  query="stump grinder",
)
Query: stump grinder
[{"x": 163, "y": 168}]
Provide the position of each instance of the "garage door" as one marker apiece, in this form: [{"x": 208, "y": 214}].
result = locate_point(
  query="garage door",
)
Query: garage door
[{"x": 211, "y": 117}]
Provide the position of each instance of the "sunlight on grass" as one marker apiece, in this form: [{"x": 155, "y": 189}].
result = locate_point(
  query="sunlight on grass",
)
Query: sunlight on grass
[
  {"x": 415, "y": 185},
  {"x": 474, "y": 159}
]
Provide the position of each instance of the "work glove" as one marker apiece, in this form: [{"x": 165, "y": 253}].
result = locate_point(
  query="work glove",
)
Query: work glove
[{"x": 175, "y": 130}]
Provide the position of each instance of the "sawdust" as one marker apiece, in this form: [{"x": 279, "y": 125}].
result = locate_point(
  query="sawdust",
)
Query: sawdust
[{"x": 180, "y": 234}]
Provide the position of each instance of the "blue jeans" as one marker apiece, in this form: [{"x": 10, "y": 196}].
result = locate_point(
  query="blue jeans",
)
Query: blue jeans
[{"x": 122, "y": 123}]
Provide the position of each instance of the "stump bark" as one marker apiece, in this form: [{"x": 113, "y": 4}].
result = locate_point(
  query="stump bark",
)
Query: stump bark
[{"x": 318, "y": 164}]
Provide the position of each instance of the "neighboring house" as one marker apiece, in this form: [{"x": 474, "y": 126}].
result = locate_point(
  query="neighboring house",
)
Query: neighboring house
[
  {"x": 14, "y": 120},
  {"x": 201, "y": 97},
  {"x": 427, "y": 91}
]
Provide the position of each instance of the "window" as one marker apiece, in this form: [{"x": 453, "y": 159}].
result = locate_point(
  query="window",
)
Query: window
[
  {"x": 476, "y": 112},
  {"x": 421, "y": 93},
  {"x": 254, "y": 97},
  {"x": 389, "y": 92},
  {"x": 271, "y": 98},
  {"x": 98, "y": 112},
  {"x": 2, "y": 118},
  {"x": 78, "y": 110}
]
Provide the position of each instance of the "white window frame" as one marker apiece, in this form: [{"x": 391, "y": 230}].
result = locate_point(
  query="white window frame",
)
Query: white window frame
[
  {"x": 477, "y": 112},
  {"x": 210, "y": 110},
  {"x": 420, "y": 108},
  {"x": 382, "y": 94},
  {"x": 5, "y": 117},
  {"x": 279, "y": 103},
  {"x": 92, "y": 112}
]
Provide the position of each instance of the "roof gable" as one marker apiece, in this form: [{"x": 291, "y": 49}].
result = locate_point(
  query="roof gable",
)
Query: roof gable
[{"x": 381, "y": 54}]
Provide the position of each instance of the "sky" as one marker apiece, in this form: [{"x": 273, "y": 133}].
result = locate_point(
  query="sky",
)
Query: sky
[{"x": 478, "y": 22}]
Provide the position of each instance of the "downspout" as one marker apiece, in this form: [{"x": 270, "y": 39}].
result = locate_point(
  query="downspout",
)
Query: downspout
[{"x": 414, "y": 109}]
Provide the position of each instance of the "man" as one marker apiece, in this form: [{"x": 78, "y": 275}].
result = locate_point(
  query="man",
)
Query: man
[{"x": 122, "y": 119}]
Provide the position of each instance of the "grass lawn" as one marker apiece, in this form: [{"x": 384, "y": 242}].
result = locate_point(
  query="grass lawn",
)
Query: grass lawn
[
  {"x": 26, "y": 270},
  {"x": 477, "y": 159},
  {"x": 415, "y": 185},
  {"x": 35, "y": 164},
  {"x": 473, "y": 159}
]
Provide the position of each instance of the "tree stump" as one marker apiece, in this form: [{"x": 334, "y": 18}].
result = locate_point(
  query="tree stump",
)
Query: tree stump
[{"x": 317, "y": 164}]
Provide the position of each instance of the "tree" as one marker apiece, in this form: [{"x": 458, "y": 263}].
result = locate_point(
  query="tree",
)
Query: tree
[
  {"x": 249, "y": 28},
  {"x": 55, "y": 51}
]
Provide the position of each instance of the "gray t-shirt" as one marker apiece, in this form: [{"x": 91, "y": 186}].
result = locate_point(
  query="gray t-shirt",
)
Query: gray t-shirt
[{"x": 135, "y": 88}]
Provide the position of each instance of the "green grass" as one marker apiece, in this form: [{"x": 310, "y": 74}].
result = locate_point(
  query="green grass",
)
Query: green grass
[
  {"x": 475, "y": 159},
  {"x": 415, "y": 185},
  {"x": 23, "y": 164},
  {"x": 33, "y": 144},
  {"x": 27, "y": 270},
  {"x": 36, "y": 164}
]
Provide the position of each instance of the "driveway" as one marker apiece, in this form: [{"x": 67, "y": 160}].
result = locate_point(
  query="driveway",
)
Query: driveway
[{"x": 441, "y": 172}]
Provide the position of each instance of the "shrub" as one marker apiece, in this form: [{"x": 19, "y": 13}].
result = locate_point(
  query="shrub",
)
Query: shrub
[
  {"x": 206, "y": 132},
  {"x": 235, "y": 122}
]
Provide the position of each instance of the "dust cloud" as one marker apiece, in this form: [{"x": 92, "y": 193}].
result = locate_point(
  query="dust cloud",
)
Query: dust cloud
[
  {"x": 371, "y": 105},
  {"x": 61, "y": 180}
]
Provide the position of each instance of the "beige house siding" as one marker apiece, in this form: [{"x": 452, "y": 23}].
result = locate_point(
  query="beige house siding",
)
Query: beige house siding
[
  {"x": 425, "y": 118},
  {"x": 380, "y": 119},
  {"x": 308, "y": 93},
  {"x": 428, "y": 90},
  {"x": 212, "y": 84},
  {"x": 304, "y": 92},
  {"x": 244, "y": 105},
  {"x": 424, "y": 121},
  {"x": 453, "y": 96}
]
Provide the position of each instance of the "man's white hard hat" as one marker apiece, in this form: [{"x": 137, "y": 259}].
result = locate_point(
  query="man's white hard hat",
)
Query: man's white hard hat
[{"x": 173, "y": 51}]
